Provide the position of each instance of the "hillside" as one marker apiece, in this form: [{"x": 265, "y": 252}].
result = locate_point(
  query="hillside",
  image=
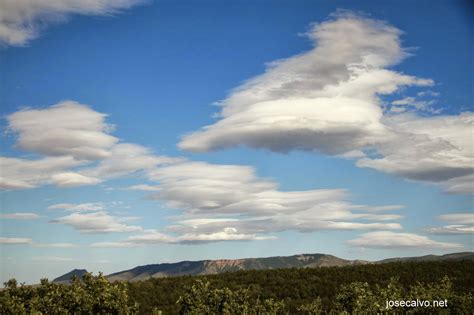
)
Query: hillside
[
  {"x": 209, "y": 267},
  {"x": 206, "y": 267},
  {"x": 453, "y": 256}
]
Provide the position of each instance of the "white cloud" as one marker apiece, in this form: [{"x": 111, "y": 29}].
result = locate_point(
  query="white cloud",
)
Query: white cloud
[
  {"x": 218, "y": 198},
  {"x": 125, "y": 159},
  {"x": 459, "y": 185},
  {"x": 14, "y": 241},
  {"x": 65, "y": 129},
  {"x": 19, "y": 216},
  {"x": 324, "y": 99},
  {"x": 75, "y": 149},
  {"x": 461, "y": 223},
  {"x": 465, "y": 218},
  {"x": 231, "y": 203},
  {"x": 22, "y": 20},
  {"x": 388, "y": 239},
  {"x": 227, "y": 234},
  {"x": 90, "y": 206},
  {"x": 434, "y": 149},
  {"x": 452, "y": 229},
  {"x": 382, "y": 208},
  {"x": 13, "y": 184},
  {"x": 70, "y": 179},
  {"x": 151, "y": 237},
  {"x": 411, "y": 102},
  {"x": 96, "y": 223},
  {"x": 328, "y": 100},
  {"x": 144, "y": 188},
  {"x": 23, "y": 173}
]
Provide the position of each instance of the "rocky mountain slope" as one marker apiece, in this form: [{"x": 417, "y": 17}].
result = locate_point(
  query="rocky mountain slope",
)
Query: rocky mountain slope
[{"x": 204, "y": 267}]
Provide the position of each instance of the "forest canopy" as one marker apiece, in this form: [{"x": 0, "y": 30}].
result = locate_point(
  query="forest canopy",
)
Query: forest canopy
[{"x": 327, "y": 290}]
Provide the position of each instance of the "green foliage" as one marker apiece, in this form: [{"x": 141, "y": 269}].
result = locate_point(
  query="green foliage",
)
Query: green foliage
[
  {"x": 301, "y": 287},
  {"x": 313, "y": 308},
  {"x": 200, "y": 298},
  {"x": 92, "y": 295},
  {"x": 333, "y": 290},
  {"x": 352, "y": 298},
  {"x": 355, "y": 297}
]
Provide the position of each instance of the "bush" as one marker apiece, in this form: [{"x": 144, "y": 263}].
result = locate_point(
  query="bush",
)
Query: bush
[
  {"x": 201, "y": 299},
  {"x": 92, "y": 295}
]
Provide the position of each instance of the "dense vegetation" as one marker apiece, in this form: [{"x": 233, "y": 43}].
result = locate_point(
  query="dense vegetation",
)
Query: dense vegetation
[
  {"x": 296, "y": 287},
  {"x": 90, "y": 295},
  {"x": 333, "y": 290}
]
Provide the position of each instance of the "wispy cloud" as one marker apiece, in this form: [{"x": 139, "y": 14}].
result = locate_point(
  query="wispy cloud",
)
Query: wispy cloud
[
  {"x": 22, "y": 20},
  {"x": 466, "y": 218},
  {"x": 90, "y": 206},
  {"x": 19, "y": 216},
  {"x": 144, "y": 187},
  {"x": 96, "y": 223},
  {"x": 389, "y": 239},
  {"x": 460, "y": 223},
  {"x": 15, "y": 241},
  {"x": 151, "y": 237},
  {"x": 18, "y": 173},
  {"x": 231, "y": 203}
]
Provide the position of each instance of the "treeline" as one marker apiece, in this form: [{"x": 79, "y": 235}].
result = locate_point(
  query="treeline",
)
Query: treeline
[
  {"x": 297, "y": 287},
  {"x": 328, "y": 290}
]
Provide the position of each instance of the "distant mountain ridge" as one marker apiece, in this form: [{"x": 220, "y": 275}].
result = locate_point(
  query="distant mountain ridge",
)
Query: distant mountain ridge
[
  {"x": 452, "y": 256},
  {"x": 205, "y": 267}
]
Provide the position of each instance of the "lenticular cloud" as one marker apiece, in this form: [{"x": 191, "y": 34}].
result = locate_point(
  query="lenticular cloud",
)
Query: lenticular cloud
[{"x": 328, "y": 100}]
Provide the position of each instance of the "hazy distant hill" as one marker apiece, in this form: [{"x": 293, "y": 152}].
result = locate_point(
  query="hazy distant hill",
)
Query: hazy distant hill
[
  {"x": 453, "y": 256},
  {"x": 205, "y": 267}
]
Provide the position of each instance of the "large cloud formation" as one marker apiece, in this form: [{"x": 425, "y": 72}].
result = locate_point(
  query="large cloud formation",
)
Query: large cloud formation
[
  {"x": 216, "y": 197},
  {"x": 328, "y": 100},
  {"x": 216, "y": 202},
  {"x": 231, "y": 203},
  {"x": 73, "y": 146},
  {"x": 22, "y": 20}
]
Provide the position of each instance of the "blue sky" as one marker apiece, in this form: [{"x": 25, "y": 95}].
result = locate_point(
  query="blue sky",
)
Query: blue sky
[{"x": 356, "y": 143}]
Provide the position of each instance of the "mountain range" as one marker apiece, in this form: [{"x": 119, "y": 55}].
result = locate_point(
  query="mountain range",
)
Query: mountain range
[{"x": 206, "y": 267}]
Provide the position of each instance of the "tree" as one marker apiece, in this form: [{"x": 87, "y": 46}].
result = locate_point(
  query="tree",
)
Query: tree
[
  {"x": 313, "y": 308},
  {"x": 200, "y": 298},
  {"x": 92, "y": 295}
]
